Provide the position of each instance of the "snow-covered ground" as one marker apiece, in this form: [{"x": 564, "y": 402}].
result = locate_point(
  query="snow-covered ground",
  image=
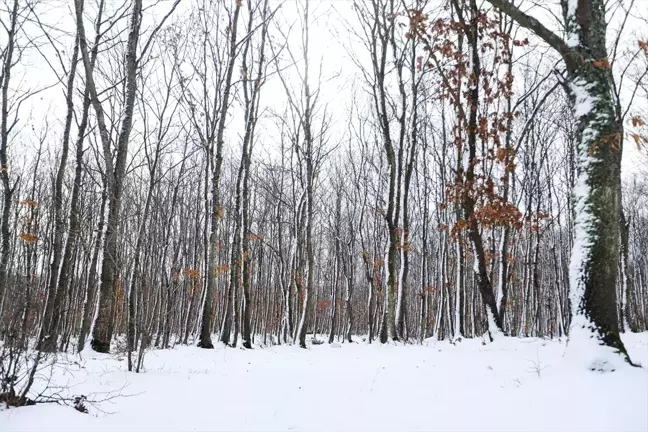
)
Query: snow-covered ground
[{"x": 509, "y": 385}]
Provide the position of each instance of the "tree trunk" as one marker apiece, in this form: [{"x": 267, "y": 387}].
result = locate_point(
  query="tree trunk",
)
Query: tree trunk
[
  {"x": 102, "y": 331},
  {"x": 8, "y": 190},
  {"x": 597, "y": 192},
  {"x": 206, "y": 324}
]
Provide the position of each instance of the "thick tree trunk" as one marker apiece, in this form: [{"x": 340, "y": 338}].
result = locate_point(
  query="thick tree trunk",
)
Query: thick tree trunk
[
  {"x": 597, "y": 192},
  {"x": 593, "y": 268}
]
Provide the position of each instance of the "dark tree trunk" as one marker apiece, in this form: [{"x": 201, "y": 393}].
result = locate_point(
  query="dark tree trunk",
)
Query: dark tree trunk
[
  {"x": 597, "y": 193},
  {"x": 482, "y": 279},
  {"x": 207, "y": 318},
  {"x": 8, "y": 190},
  {"x": 56, "y": 291}
]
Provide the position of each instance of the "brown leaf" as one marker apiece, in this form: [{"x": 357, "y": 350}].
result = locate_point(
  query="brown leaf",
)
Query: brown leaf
[
  {"x": 601, "y": 63},
  {"x": 643, "y": 45},
  {"x": 637, "y": 121}
]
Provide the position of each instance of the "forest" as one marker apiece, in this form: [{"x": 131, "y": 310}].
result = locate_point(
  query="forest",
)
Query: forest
[{"x": 255, "y": 173}]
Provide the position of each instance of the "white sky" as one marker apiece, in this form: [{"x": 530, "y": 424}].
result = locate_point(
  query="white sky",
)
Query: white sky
[{"x": 328, "y": 42}]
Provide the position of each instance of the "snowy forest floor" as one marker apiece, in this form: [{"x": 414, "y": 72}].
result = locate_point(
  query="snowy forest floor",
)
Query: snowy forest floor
[{"x": 509, "y": 385}]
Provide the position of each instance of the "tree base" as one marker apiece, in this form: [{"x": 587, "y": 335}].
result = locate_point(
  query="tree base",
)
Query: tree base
[
  {"x": 48, "y": 345},
  {"x": 10, "y": 399},
  {"x": 595, "y": 350},
  {"x": 206, "y": 344},
  {"x": 100, "y": 346}
]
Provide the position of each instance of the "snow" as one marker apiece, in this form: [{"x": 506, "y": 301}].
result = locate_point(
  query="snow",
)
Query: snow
[
  {"x": 401, "y": 275},
  {"x": 508, "y": 385},
  {"x": 495, "y": 331},
  {"x": 584, "y": 102},
  {"x": 500, "y": 272},
  {"x": 586, "y": 351},
  {"x": 572, "y": 37}
]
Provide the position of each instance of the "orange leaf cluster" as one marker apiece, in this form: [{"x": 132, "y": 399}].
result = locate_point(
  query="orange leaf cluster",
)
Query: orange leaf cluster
[
  {"x": 378, "y": 264},
  {"x": 637, "y": 121},
  {"x": 602, "y": 63},
  {"x": 498, "y": 213},
  {"x": 640, "y": 139},
  {"x": 221, "y": 269},
  {"x": 28, "y": 238},
  {"x": 323, "y": 304},
  {"x": 191, "y": 273},
  {"x": 459, "y": 226},
  {"x": 644, "y": 46}
]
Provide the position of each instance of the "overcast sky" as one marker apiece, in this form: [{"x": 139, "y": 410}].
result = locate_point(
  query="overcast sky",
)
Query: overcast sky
[{"x": 330, "y": 48}]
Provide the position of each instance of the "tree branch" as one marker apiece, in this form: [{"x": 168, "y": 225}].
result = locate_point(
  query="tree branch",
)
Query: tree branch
[{"x": 531, "y": 23}]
